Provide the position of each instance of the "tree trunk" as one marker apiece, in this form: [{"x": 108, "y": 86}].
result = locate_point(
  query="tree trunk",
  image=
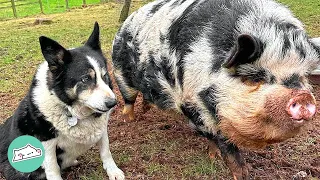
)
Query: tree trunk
[{"x": 125, "y": 10}]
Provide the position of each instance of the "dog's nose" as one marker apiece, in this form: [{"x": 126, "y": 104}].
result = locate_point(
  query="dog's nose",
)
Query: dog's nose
[{"x": 111, "y": 102}]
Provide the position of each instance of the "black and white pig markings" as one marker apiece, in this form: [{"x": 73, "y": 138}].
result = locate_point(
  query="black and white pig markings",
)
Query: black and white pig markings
[{"x": 236, "y": 68}]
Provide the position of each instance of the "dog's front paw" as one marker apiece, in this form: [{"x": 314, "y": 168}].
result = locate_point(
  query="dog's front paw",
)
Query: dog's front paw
[
  {"x": 58, "y": 177},
  {"x": 115, "y": 173}
]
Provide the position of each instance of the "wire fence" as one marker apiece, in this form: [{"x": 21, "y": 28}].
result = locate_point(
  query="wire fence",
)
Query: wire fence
[{"x": 21, "y": 8}]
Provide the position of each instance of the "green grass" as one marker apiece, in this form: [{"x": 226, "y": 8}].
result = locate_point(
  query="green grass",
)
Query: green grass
[
  {"x": 49, "y": 6},
  {"x": 308, "y": 11},
  {"x": 19, "y": 47},
  {"x": 202, "y": 165},
  {"x": 155, "y": 168},
  {"x": 95, "y": 175}
]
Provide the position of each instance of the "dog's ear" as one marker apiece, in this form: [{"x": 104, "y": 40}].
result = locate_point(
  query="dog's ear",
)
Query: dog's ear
[
  {"x": 56, "y": 55},
  {"x": 246, "y": 50},
  {"x": 94, "y": 40}
]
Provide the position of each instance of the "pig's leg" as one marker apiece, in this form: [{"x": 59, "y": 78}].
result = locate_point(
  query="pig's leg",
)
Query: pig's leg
[
  {"x": 213, "y": 151},
  {"x": 228, "y": 151},
  {"x": 232, "y": 157},
  {"x": 129, "y": 95},
  {"x": 147, "y": 105}
]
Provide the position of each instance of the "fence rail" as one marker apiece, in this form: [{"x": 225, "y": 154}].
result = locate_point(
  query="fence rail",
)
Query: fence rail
[{"x": 13, "y": 4}]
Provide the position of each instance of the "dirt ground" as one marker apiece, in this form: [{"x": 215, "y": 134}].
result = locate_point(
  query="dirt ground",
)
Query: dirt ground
[{"x": 161, "y": 145}]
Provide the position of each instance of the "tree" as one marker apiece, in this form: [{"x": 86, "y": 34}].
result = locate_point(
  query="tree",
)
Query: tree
[{"x": 125, "y": 10}]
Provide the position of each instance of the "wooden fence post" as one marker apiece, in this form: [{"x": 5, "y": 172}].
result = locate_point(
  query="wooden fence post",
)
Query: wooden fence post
[
  {"x": 41, "y": 8},
  {"x": 67, "y": 4},
  {"x": 14, "y": 8},
  {"x": 124, "y": 11}
]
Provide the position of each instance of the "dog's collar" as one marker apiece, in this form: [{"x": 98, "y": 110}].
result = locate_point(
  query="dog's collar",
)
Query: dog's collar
[{"x": 73, "y": 119}]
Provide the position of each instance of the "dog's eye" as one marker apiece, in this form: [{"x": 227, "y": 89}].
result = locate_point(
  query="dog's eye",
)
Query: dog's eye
[{"x": 85, "y": 79}]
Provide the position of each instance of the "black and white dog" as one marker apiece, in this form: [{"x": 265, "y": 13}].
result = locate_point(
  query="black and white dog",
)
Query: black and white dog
[{"x": 67, "y": 108}]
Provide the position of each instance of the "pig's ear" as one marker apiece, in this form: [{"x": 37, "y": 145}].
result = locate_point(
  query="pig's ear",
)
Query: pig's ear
[
  {"x": 246, "y": 50},
  {"x": 94, "y": 40}
]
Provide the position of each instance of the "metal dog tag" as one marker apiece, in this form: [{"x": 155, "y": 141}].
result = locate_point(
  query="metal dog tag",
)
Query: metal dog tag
[{"x": 72, "y": 121}]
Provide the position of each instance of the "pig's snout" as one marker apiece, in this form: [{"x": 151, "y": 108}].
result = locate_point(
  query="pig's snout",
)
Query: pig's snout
[{"x": 302, "y": 106}]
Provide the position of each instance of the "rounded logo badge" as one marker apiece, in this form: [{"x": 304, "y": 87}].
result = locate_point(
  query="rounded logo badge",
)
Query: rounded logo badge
[{"x": 26, "y": 154}]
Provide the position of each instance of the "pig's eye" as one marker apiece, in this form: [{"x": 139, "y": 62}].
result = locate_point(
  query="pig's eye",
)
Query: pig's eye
[
  {"x": 293, "y": 82},
  {"x": 252, "y": 81},
  {"x": 253, "y": 75}
]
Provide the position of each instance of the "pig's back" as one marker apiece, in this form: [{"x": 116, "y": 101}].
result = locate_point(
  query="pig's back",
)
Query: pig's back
[{"x": 178, "y": 47}]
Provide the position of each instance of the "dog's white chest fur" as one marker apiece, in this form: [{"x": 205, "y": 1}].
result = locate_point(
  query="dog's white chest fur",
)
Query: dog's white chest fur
[
  {"x": 76, "y": 140},
  {"x": 86, "y": 131},
  {"x": 72, "y": 150}
]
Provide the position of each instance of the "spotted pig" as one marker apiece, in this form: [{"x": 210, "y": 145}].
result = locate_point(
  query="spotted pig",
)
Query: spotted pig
[{"x": 236, "y": 68}]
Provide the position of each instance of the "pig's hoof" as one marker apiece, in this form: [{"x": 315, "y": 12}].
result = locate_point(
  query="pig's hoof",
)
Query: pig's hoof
[
  {"x": 128, "y": 111},
  {"x": 147, "y": 106},
  {"x": 212, "y": 155},
  {"x": 213, "y": 151},
  {"x": 241, "y": 174}
]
